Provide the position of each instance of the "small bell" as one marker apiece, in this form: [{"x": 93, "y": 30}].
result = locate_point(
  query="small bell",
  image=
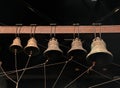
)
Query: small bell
[
  {"x": 77, "y": 51},
  {"x": 32, "y": 47},
  {"x": 99, "y": 53},
  {"x": 53, "y": 50},
  {"x": 16, "y": 45}
]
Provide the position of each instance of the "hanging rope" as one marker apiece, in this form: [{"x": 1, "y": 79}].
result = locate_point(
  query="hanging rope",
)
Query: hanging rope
[
  {"x": 80, "y": 75},
  {"x": 54, "y": 84},
  {"x": 103, "y": 83},
  {"x": 96, "y": 71},
  {"x": 45, "y": 79},
  {"x": 25, "y": 66},
  {"x": 116, "y": 64},
  {"x": 6, "y": 74},
  {"x": 17, "y": 76},
  {"x": 44, "y": 76},
  {"x": 33, "y": 67}
]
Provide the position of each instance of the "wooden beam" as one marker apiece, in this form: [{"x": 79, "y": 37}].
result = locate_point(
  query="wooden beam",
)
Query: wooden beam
[{"x": 61, "y": 29}]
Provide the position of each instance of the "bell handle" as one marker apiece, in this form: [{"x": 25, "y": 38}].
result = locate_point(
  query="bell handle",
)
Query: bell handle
[
  {"x": 53, "y": 30},
  {"x": 74, "y": 34},
  {"x": 95, "y": 34},
  {"x": 33, "y": 29},
  {"x": 18, "y": 29}
]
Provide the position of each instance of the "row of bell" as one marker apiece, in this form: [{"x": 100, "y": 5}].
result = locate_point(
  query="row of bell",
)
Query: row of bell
[
  {"x": 30, "y": 47},
  {"x": 98, "y": 53}
]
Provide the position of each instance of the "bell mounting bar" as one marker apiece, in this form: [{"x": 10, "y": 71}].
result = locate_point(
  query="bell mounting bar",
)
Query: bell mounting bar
[{"x": 61, "y": 29}]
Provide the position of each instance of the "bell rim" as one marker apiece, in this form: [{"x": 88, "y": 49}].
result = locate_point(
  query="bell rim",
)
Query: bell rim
[
  {"x": 26, "y": 50},
  {"x": 77, "y": 49},
  {"x": 52, "y": 51},
  {"x": 11, "y": 48},
  {"x": 109, "y": 60},
  {"x": 52, "y": 54},
  {"x": 99, "y": 52}
]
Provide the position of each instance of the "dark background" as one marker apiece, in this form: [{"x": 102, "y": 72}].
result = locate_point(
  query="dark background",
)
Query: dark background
[{"x": 61, "y": 12}]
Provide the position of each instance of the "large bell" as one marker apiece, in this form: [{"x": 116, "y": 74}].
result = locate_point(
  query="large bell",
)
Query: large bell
[
  {"x": 16, "y": 45},
  {"x": 53, "y": 50},
  {"x": 32, "y": 47},
  {"x": 99, "y": 53},
  {"x": 77, "y": 50}
]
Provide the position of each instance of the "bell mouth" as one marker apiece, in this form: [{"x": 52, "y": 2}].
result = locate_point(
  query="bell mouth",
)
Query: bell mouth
[
  {"x": 53, "y": 54},
  {"x": 35, "y": 51},
  {"x": 16, "y": 47},
  {"x": 77, "y": 53},
  {"x": 100, "y": 58}
]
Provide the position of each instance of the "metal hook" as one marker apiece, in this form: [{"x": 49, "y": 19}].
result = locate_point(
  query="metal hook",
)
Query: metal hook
[
  {"x": 52, "y": 32},
  {"x": 94, "y": 29},
  {"x": 32, "y": 32},
  {"x": 35, "y": 27},
  {"x": 95, "y": 34},
  {"x": 100, "y": 34},
  {"x": 18, "y": 29},
  {"x": 77, "y": 24},
  {"x": 74, "y": 34},
  {"x": 74, "y": 30}
]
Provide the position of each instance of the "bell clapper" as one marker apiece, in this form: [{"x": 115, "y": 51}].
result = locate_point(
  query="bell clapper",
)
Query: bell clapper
[
  {"x": 45, "y": 62},
  {"x": 30, "y": 54},
  {"x": 15, "y": 52},
  {"x": 91, "y": 67},
  {"x": 70, "y": 59}
]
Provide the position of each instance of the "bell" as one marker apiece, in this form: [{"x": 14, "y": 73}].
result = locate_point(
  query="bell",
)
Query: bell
[
  {"x": 53, "y": 50},
  {"x": 77, "y": 50},
  {"x": 32, "y": 47},
  {"x": 16, "y": 45},
  {"x": 99, "y": 53}
]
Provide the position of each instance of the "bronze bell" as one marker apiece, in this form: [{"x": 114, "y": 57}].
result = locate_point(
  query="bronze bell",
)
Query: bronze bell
[
  {"x": 16, "y": 45},
  {"x": 99, "y": 53},
  {"x": 53, "y": 50},
  {"x": 77, "y": 49},
  {"x": 32, "y": 47}
]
